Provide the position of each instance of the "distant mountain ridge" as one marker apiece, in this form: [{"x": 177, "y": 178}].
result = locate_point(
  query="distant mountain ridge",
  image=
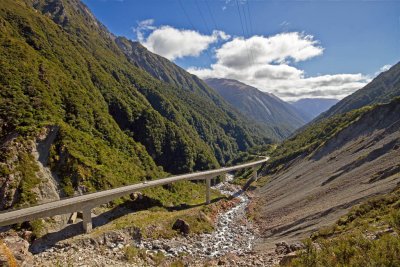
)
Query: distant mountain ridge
[
  {"x": 265, "y": 108},
  {"x": 382, "y": 89},
  {"x": 312, "y": 107}
]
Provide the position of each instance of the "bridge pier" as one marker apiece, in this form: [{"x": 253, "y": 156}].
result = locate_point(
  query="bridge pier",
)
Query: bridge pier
[
  {"x": 255, "y": 175},
  {"x": 208, "y": 188},
  {"x": 86, "y": 203},
  {"x": 87, "y": 220}
]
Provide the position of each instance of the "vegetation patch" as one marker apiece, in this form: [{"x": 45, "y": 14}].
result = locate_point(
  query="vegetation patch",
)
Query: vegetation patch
[
  {"x": 308, "y": 140},
  {"x": 156, "y": 222},
  {"x": 311, "y": 138},
  {"x": 6, "y": 256},
  {"x": 367, "y": 236}
]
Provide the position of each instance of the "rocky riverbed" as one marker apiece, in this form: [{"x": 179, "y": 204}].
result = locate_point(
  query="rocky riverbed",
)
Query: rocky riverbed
[
  {"x": 233, "y": 232},
  {"x": 230, "y": 243}
]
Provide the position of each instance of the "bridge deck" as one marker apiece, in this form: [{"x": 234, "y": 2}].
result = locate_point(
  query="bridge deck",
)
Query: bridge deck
[{"x": 86, "y": 202}]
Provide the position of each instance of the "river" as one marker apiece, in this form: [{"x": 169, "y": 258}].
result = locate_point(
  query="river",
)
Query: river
[{"x": 233, "y": 232}]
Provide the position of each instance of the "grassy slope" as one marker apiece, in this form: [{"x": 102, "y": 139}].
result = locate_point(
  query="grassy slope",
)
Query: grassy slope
[
  {"x": 312, "y": 138},
  {"x": 367, "y": 236}
]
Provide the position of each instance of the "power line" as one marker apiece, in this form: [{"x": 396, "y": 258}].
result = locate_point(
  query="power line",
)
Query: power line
[
  {"x": 248, "y": 12},
  {"x": 191, "y": 23},
  {"x": 186, "y": 14},
  {"x": 248, "y": 25},
  {"x": 211, "y": 14},
  {"x": 240, "y": 17},
  {"x": 244, "y": 35},
  {"x": 202, "y": 16},
  {"x": 245, "y": 21}
]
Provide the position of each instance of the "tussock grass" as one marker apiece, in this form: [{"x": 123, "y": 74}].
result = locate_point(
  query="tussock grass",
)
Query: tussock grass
[{"x": 367, "y": 236}]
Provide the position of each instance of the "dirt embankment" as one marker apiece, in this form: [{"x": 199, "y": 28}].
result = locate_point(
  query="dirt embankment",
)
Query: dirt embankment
[{"x": 315, "y": 190}]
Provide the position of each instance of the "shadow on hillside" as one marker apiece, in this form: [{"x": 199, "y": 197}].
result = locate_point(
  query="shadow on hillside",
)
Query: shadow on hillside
[{"x": 49, "y": 240}]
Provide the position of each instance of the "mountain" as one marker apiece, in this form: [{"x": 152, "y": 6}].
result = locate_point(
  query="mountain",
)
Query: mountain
[
  {"x": 381, "y": 89},
  {"x": 341, "y": 169},
  {"x": 312, "y": 107},
  {"x": 332, "y": 165},
  {"x": 163, "y": 69},
  {"x": 193, "y": 92},
  {"x": 264, "y": 108},
  {"x": 77, "y": 116}
]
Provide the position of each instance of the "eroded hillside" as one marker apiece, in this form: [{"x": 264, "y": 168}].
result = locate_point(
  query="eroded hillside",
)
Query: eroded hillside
[{"x": 320, "y": 181}]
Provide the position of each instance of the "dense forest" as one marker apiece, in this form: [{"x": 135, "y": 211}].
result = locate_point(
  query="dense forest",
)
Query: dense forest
[{"x": 114, "y": 123}]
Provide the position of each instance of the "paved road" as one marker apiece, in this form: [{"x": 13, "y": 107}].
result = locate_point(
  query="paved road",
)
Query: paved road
[{"x": 87, "y": 202}]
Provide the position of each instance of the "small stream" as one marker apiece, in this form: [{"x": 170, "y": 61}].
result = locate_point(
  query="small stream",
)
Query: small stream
[{"x": 233, "y": 232}]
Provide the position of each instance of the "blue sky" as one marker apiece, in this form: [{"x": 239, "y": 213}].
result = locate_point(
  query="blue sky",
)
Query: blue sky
[{"x": 344, "y": 43}]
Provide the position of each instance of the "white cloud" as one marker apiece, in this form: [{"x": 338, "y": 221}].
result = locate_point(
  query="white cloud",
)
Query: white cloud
[
  {"x": 267, "y": 63},
  {"x": 175, "y": 43},
  {"x": 383, "y": 69},
  {"x": 240, "y": 52},
  {"x": 143, "y": 26}
]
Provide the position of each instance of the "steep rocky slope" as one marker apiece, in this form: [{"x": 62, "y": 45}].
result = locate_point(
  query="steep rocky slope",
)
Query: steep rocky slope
[
  {"x": 320, "y": 173},
  {"x": 382, "y": 89},
  {"x": 264, "y": 108}
]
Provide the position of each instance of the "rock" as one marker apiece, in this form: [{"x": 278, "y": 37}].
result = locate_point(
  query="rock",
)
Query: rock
[
  {"x": 113, "y": 238},
  {"x": 136, "y": 196},
  {"x": 19, "y": 248},
  {"x": 287, "y": 259},
  {"x": 282, "y": 248},
  {"x": 384, "y": 231},
  {"x": 296, "y": 246},
  {"x": 221, "y": 262},
  {"x": 156, "y": 246},
  {"x": 166, "y": 247},
  {"x": 28, "y": 236},
  {"x": 136, "y": 234},
  {"x": 257, "y": 263},
  {"x": 181, "y": 226}
]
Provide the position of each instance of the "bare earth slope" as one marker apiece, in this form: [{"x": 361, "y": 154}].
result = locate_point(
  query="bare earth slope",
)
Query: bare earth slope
[{"x": 360, "y": 161}]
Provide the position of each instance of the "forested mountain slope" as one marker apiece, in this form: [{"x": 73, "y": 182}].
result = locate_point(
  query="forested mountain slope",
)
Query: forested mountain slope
[
  {"x": 264, "y": 108},
  {"x": 214, "y": 116},
  {"x": 77, "y": 115}
]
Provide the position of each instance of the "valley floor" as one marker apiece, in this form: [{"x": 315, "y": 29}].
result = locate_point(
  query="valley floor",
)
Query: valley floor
[{"x": 118, "y": 244}]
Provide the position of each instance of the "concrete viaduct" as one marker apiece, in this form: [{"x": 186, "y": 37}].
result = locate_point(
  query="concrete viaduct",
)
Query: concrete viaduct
[{"x": 86, "y": 203}]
